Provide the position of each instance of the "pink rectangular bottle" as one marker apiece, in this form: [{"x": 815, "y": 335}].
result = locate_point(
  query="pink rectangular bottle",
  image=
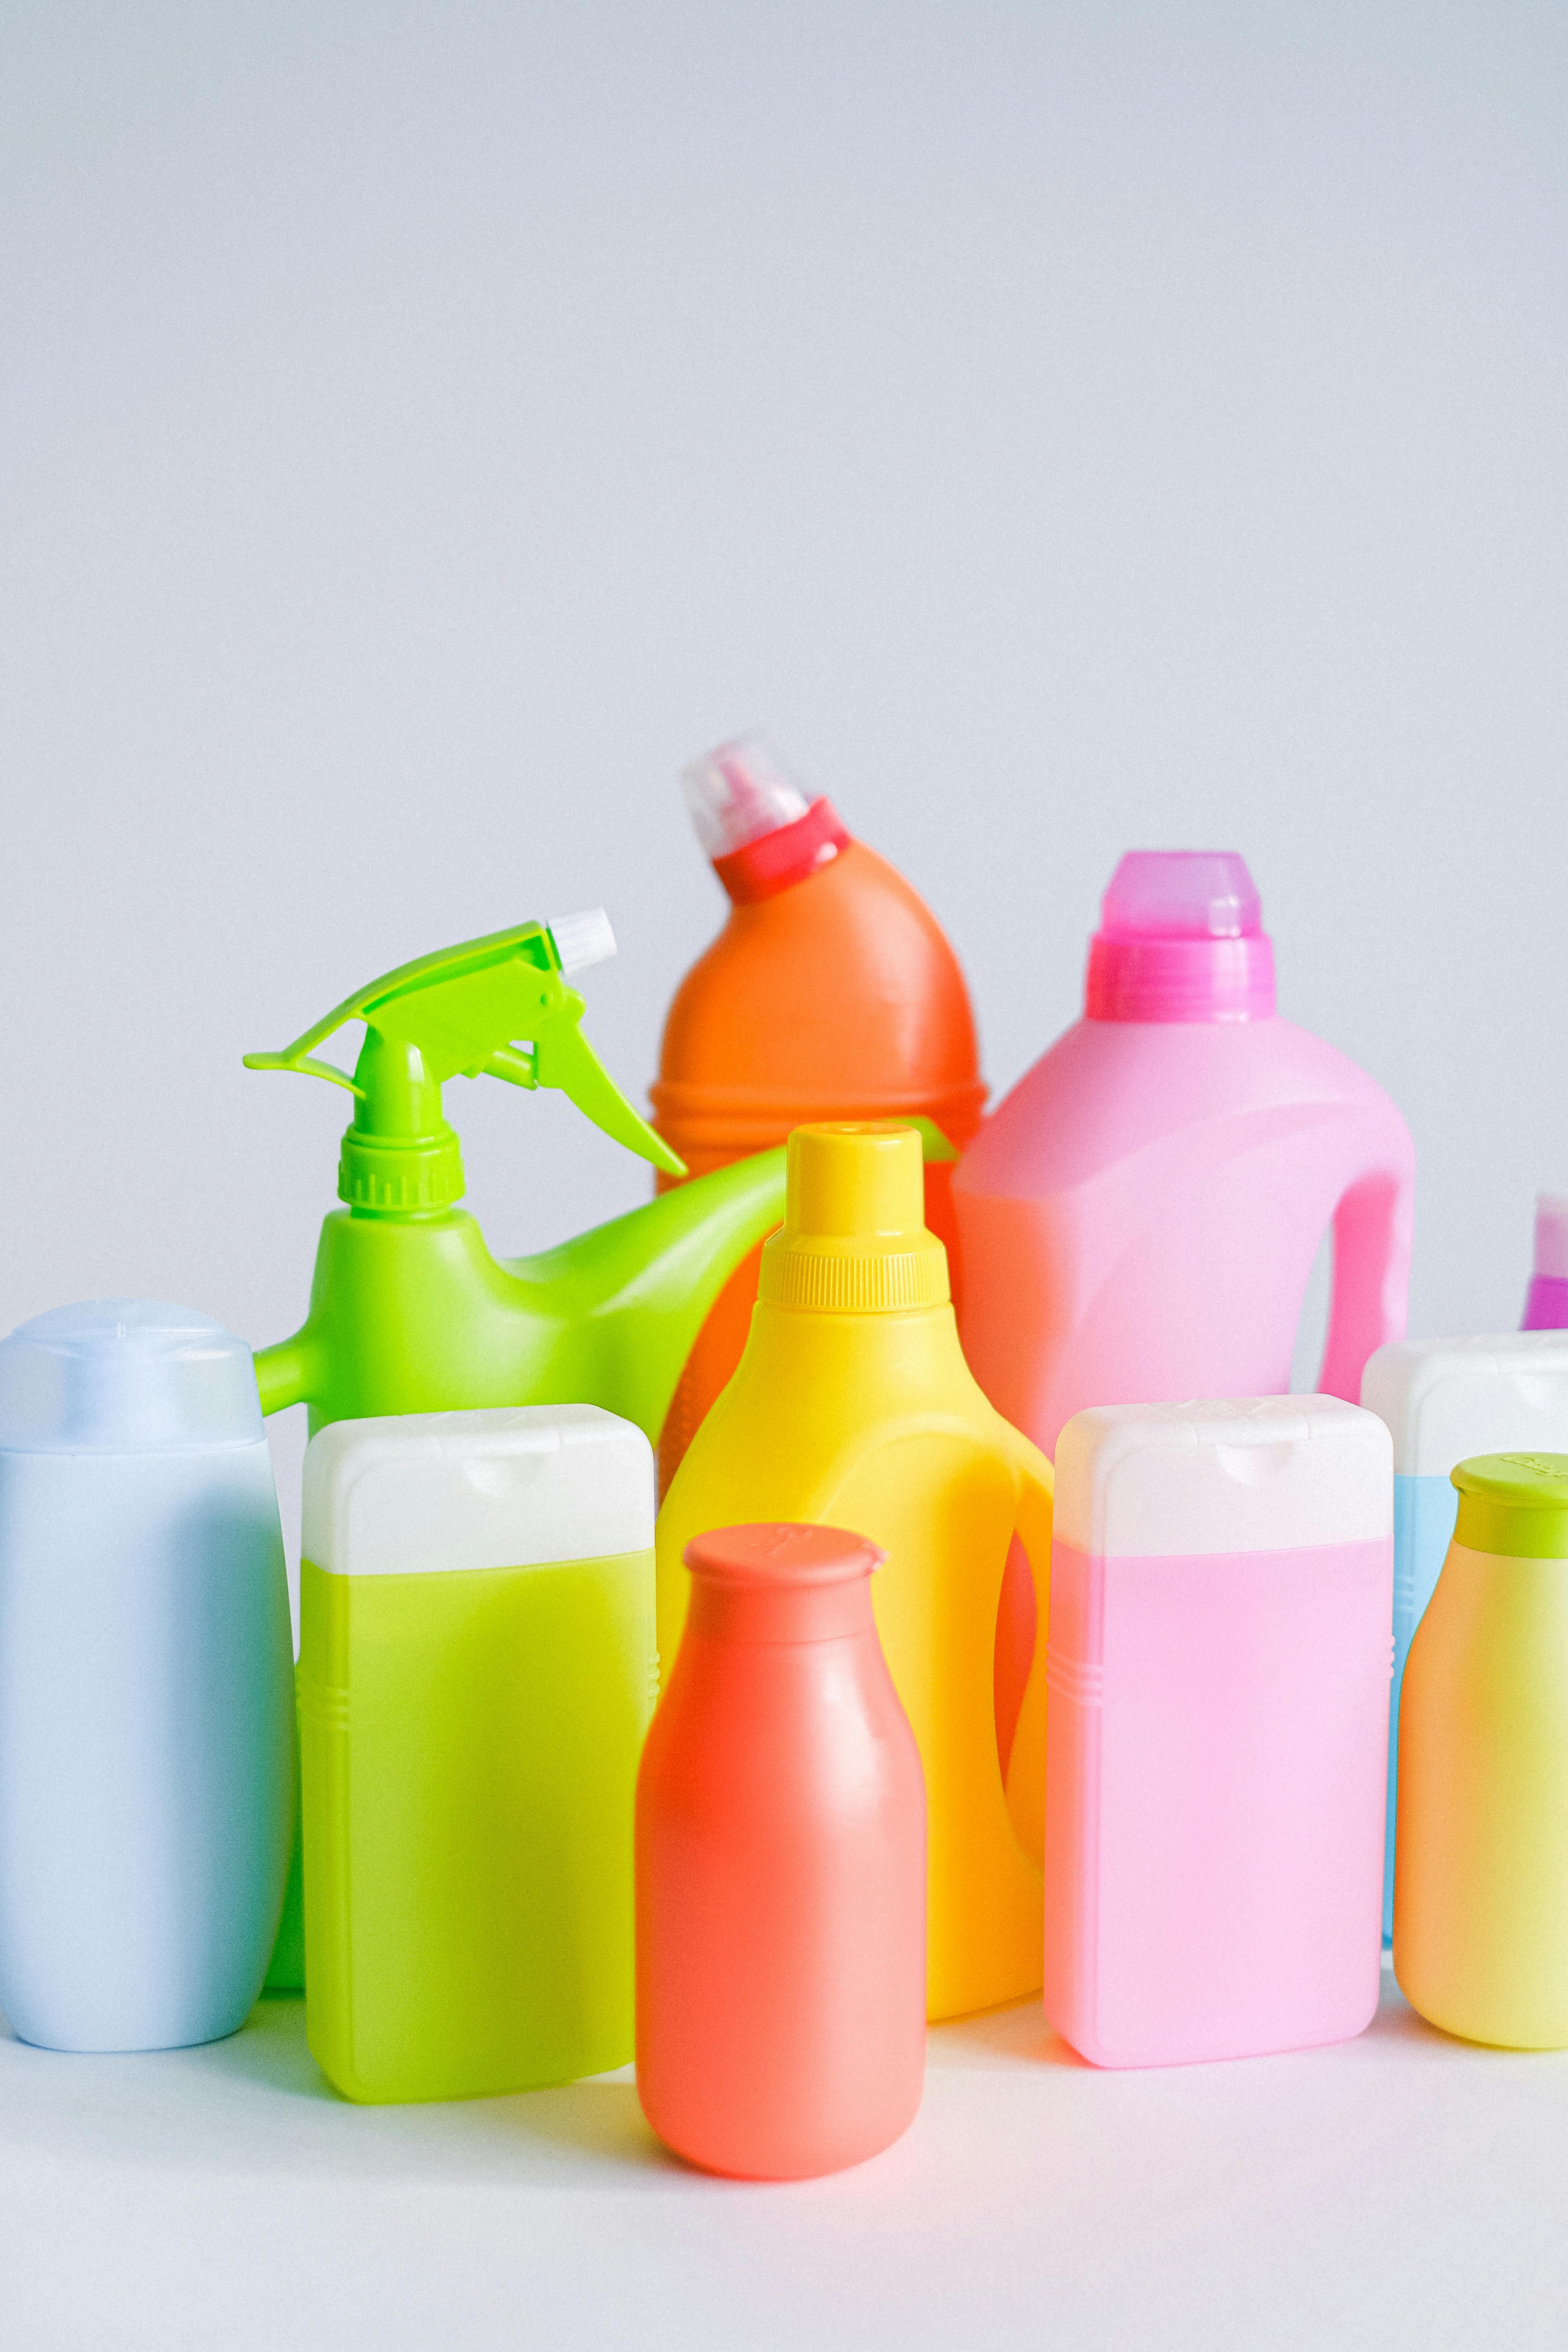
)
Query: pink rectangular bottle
[{"x": 1217, "y": 1661}]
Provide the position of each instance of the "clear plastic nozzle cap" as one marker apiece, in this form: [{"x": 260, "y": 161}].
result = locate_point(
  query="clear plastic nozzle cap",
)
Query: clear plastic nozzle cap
[
  {"x": 582, "y": 939},
  {"x": 739, "y": 794}
]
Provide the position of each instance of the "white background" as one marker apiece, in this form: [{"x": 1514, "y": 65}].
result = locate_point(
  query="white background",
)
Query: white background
[{"x": 1065, "y": 428}]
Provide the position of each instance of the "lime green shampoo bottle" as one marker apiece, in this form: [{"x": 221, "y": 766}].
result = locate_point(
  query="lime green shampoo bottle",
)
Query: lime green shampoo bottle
[{"x": 477, "y": 1675}]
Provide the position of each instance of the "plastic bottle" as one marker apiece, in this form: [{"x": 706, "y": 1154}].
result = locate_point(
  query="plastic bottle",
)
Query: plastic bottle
[
  {"x": 853, "y": 1407},
  {"x": 409, "y": 1312},
  {"x": 1546, "y": 1301},
  {"x": 1443, "y": 1400},
  {"x": 1480, "y": 1888},
  {"x": 830, "y": 994},
  {"x": 1218, "y": 1663},
  {"x": 475, "y": 1676},
  {"x": 146, "y": 1680},
  {"x": 1139, "y": 1218},
  {"x": 781, "y": 1868}
]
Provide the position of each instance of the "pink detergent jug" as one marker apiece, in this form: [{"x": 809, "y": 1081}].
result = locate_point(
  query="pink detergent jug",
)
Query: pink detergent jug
[{"x": 1139, "y": 1218}]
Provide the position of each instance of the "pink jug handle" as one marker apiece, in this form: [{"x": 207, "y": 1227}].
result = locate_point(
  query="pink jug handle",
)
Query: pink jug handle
[
  {"x": 1027, "y": 1760},
  {"x": 1373, "y": 1231}
]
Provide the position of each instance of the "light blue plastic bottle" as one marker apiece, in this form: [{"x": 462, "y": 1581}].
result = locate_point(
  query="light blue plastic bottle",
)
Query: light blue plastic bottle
[
  {"x": 146, "y": 1680},
  {"x": 1444, "y": 1400}
]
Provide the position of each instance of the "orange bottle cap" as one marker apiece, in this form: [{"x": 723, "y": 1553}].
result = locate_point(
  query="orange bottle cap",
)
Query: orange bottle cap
[
  {"x": 780, "y": 1551},
  {"x": 780, "y": 1581}
]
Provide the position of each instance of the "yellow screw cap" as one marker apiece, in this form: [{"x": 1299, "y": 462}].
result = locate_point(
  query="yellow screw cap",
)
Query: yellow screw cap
[{"x": 853, "y": 1238}]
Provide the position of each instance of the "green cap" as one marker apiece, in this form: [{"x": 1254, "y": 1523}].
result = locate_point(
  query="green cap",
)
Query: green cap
[
  {"x": 1514, "y": 1503},
  {"x": 497, "y": 1007}
]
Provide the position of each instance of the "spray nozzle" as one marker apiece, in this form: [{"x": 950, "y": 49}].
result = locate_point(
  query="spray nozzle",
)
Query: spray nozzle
[
  {"x": 497, "y": 1007},
  {"x": 583, "y": 940}
]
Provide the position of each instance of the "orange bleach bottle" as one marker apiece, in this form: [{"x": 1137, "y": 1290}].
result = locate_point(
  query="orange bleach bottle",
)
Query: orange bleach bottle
[{"x": 830, "y": 994}]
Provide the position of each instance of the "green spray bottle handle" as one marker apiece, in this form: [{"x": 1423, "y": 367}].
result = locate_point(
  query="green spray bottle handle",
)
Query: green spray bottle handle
[{"x": 497, "y": 1007}]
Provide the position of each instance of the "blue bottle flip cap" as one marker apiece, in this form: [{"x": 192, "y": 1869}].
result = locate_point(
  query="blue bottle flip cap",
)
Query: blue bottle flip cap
[{"x": 125, "y": 1376}]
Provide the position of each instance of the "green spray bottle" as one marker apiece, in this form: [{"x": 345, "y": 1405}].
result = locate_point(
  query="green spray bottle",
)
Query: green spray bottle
[{"x": 409, "y": 1312}]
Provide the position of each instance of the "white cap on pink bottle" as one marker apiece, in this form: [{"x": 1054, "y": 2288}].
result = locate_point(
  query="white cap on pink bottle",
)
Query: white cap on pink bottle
[{"x": 1181, "y": 938}]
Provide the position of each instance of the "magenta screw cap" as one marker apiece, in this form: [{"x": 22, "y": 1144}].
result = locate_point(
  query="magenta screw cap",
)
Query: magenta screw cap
[{"x": 1181, "y": 938}]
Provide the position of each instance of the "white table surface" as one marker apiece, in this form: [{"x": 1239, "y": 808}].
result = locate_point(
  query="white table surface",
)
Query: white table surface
[{"x": 1399, "y": 2189}]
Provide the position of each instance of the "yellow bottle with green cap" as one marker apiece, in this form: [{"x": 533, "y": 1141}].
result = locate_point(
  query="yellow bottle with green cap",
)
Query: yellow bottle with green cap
[
  {"x": 1480, "y": 1883},
  {"x": 852, "y": 1406}
]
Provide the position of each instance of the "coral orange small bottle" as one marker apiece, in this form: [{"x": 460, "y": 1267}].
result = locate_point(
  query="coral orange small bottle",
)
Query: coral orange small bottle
[
  {"x": 781, "y": 1835},
  {"x": 830, "y": 994}
]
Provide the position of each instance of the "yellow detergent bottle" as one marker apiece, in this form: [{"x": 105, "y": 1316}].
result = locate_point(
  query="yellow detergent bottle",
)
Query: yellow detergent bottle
[{"x": 852, "y": 1406}]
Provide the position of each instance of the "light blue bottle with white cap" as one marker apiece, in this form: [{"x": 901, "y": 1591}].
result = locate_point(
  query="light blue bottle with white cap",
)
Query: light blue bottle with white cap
[{"x": 146, "y": 1680}]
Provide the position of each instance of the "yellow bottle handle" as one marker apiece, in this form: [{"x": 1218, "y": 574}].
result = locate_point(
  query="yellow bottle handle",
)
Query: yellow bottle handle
[{"x": 1026, "y": 1763}]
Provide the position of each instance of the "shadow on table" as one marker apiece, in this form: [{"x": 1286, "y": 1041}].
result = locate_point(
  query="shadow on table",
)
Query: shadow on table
[
  {"x": 1017, "y": 2036},
  {"x": 1397, "y": 2029},
  {"x": 597, "y": 2119},
  {"x": 258, "y": 2102}
]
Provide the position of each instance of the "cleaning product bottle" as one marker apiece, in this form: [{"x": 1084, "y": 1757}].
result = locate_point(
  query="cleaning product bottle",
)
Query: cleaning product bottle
[
  {"x": 1546, "y": 1301},
  {"x": 1480, "y": 1883},
  {"x": 830, "y": 994},
  {"x": 1442, "y": 1401},
  {"x": 146, "y": 1686},
  {"x": 1217, "y": 1665},
  {"x": 476, "y": 1675},
  {"x": 781, "y": 1843},
  {"x": 409, "y": 1312},
  {"x": 1139, "y": 1218},
  {"x": 853, "y": 1407}
]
